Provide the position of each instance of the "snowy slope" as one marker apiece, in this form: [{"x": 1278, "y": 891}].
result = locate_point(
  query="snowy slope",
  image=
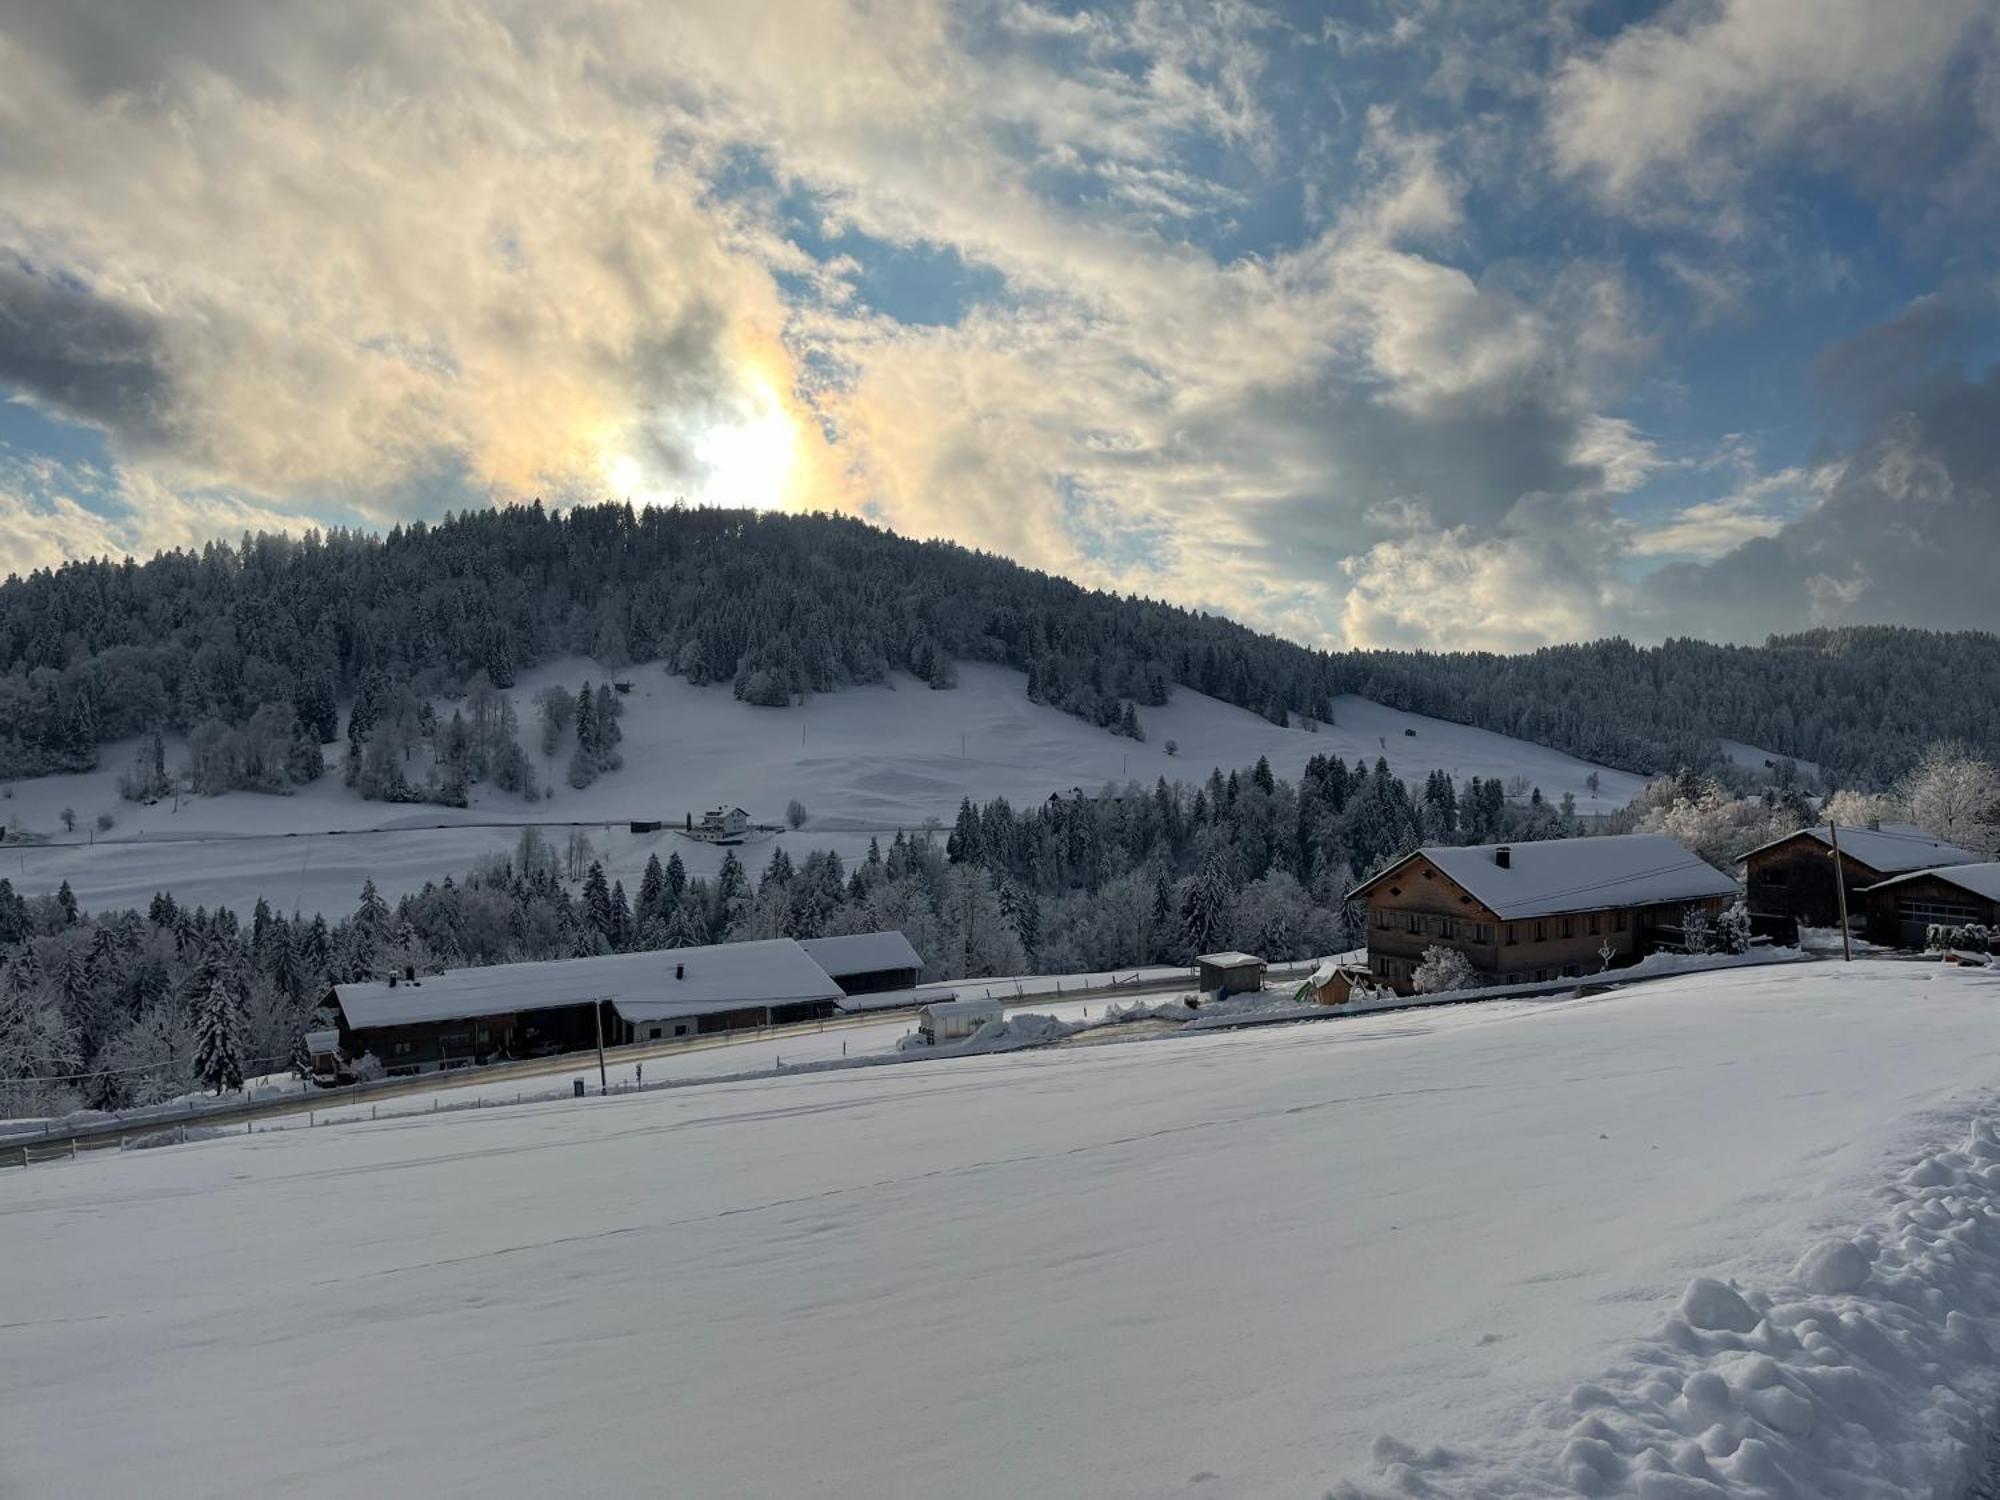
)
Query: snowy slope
[
  {"x": 865, "y": 762},
  {"x": 1447, "y": 1253}
]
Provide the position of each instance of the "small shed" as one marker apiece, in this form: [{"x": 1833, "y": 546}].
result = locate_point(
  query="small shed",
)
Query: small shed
[
  {"x": 955, "y": 1020},
  {"x": 1220, "y": 975},
  {"x": 1334, "y": 983},
  {"x": 323, "y": 1049}
]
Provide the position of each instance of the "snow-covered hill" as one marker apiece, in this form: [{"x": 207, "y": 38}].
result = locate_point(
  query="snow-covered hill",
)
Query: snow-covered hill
[
  {"x": 865, "y": 762},
  {"x": 1474, "y": 1252}
]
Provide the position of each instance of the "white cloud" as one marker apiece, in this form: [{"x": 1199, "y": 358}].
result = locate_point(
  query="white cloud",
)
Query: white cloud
[
  {"x": 1761, "y": 507},
  {"x": 1690, "y": 104}
]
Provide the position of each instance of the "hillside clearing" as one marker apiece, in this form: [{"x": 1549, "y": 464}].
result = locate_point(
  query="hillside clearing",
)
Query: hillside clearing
[{"x": 865, "y": 762}]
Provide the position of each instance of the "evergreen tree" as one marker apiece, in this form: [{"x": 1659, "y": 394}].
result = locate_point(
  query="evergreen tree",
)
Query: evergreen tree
[
  {"x": 218, "y": 1058},
  {"x": 597, "y": 901}
]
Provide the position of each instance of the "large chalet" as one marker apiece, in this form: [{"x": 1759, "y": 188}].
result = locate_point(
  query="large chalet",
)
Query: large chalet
[{"x": 1554, "y": 909}]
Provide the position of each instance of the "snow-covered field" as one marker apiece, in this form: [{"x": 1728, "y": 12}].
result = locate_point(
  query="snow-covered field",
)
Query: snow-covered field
[
  {"x": 865, "y": 762},
  {"x": 1452, "y": 1252}
]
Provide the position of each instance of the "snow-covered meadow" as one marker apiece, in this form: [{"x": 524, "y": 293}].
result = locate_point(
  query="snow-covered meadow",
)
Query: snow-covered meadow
[
  {"x": 1473, "y": 1251},
  {"x": 865, "y": 762}
]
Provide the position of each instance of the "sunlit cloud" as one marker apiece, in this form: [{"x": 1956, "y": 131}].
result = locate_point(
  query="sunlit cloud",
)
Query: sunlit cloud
[{"x": 1383, "y": 330}]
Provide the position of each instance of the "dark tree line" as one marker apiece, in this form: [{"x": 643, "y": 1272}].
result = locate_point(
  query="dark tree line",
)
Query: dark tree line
[{"x": 781, "y": 606}]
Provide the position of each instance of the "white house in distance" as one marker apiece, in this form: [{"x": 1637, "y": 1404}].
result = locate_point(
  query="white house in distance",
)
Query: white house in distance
[{"x": 721, "y": 825}]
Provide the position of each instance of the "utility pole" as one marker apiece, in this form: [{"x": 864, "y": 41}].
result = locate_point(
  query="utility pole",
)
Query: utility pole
[
  {"x": 597, "y": 1010},
  {"x": 1840, "y": 891}
]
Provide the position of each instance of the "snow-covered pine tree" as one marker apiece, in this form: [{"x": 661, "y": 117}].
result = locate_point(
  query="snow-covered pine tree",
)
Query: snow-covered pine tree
[{"x": 218, "y": 1055}]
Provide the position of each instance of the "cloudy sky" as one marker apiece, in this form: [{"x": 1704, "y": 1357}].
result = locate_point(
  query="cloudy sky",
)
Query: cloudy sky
[{"x": 1437, "y": 324}]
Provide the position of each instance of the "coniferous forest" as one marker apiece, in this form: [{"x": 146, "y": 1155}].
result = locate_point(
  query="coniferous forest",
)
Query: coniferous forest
[
  {"x": 250, "y": 648},
  {"x": 117, "y": 1008}
]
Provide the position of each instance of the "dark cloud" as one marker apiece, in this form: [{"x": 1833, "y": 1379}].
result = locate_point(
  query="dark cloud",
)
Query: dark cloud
[
  {"x": 1874, "y": 373},
  {"x": 82, "y": 356},
  {"x": 1907, "y": 533}
]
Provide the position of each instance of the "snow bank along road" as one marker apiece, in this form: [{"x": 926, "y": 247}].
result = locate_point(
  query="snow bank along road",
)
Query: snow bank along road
[{"x": 1456, "y": 1252}]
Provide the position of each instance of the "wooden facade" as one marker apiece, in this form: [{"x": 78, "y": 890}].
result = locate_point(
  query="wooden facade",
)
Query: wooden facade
[
  {"x": 1900, "y": 913},
  {"x": 1794, "y": 878},
  {"x": 1415, "y": 906}
]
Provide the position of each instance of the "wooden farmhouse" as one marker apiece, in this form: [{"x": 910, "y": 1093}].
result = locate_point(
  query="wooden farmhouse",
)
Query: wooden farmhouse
[
  {"x": 1901, "y": 910},
  {"x": 1555, "y": 909},
  {"x": 1793, "y": 876}
]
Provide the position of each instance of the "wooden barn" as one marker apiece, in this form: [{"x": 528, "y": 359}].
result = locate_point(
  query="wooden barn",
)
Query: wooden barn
[
  {"x": 1793, "y": 876},
  {"x": 1555, "y": 909},
  {"x": 530, "y": 1009},
  {"x": 1901, "y": 910},
  {"x": 867, "y": 963}
]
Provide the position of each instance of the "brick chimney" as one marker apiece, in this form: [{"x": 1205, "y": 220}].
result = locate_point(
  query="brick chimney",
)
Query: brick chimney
[{"x": 1504, "y": 857}]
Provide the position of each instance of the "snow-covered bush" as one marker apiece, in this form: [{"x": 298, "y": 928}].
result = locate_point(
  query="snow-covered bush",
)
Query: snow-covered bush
[
  {"x": 1697, "y": 930},
  {"x": 1732, "y": 930},
  {"x": 369, "y": 1068},
  {"x": 1442, "y": 971},
  {"x": 1972, "y": 937}
]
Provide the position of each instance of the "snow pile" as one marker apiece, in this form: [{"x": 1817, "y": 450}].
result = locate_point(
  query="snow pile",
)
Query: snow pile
[
  {"x": 1011, "y": 1033},
  {"x": 1869, "y": 1370}
]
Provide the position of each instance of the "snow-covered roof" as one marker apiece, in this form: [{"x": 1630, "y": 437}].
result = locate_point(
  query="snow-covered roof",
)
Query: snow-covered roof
[
  {"x": 1550, "y": 876},
  {"x": 1893, "y": 848},
  {"x": 862, "y": 953},
  {"x": 943, "y": 1008},
  {"x": 722, "y": 976},
  {"x": 1982, "y": 879},
  {"x": 1229, "y": 960}
]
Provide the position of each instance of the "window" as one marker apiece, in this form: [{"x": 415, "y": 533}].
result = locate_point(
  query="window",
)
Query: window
[
  {"x": 653, "y": 1034},
  {"x": 1772, "y": 875},
  {"x": 1620, "y": 920},
  {"x": 1569, "y": 926},
  {"x": 1541, "y": 932},
  {"x": 1512, "y": 935},
  {"x": 1596, "y": 924},
  {"x": 1945, "y": 913},
  {"x": 1384, "y": 918},
  {"x": 1413, "y": 923}
]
